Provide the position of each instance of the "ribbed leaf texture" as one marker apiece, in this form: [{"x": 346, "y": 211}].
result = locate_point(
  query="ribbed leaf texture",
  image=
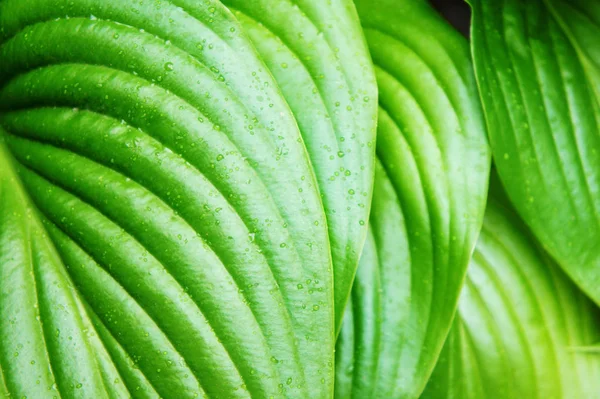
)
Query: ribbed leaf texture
[
  {"x": 522, "y": 326},
  {"x": 430, "y": 190},
  {"x": 539, "y": 84},
  {"x": 317, "y": 54},
  {"x": 580, "y": 20},
  {"x": 176, "y": 244}
]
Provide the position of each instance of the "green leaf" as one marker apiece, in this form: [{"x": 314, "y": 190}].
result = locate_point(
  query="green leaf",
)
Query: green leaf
[
  {"x": 585, "y": 349},
  {"x": 430, "y": 190},
  {"x": 519, "y": 323},
  {"x": 580, "y": 19},
  {"x": 174, "y": 183},
  {"x": 317, "y": 53},
  {"x": 48, "y": 345},
  {"x": 543, "y": 118}
]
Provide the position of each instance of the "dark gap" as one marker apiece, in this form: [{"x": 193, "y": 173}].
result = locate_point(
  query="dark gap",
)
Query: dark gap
[{"x": 457, "y": 12}]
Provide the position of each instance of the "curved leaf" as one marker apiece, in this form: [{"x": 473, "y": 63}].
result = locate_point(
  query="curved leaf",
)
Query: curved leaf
[
  {"x": 544, "y": 123},
  {"x": 580, "y": 19},
  {"x": 519, "y": 324},
  {"x": 48, "y": 346},
  {"x": 317, "y": 54},
  {"x": 174, "y": 182},
  {"x": 430, "y": 189}
]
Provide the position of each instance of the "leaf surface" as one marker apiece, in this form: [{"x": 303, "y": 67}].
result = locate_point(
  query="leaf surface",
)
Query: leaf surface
[
  {"x": 537, "y": 84},
  {"x": 580, "y": 19},
  {"x": 430, "y": 188},
  {"x": 175, "y": 185},
  {"x": 520, "y": 324},
  {"x": 49, "y": 347},
  {"x": 317, "y": 53}
]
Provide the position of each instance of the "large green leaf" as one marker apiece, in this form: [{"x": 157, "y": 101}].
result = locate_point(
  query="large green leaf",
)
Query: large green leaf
[
  {"x": 543, "y": 119},
  {"x": 580, "y": 19},
  {"x": 317, "y": 54},
  {"x": 430, "y": 190},
  {"x": 173, "y": 180},
  {"x": 520, "y": 324},
  {"x": 48, "y": 346}
]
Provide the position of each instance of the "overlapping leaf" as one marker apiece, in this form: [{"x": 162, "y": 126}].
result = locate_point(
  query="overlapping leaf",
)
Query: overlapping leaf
[
  {"x": 317, "y": 54},
  {"x": 520, "y": 325},
  {"x": 49, "y": 347},
  {"x": 175, "y": 185},
  {"x": 580, "y": 19},
  {"x": 537, "y": 85},
  {"x": 430, "y": 190}
]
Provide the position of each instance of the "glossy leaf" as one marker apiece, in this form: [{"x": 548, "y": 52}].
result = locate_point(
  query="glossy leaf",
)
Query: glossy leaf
[
  {"x": 580, "y": 19},
  {"x": 48, "y": 345},
  {"x": 317, "y": 54},
  {"x": 543, "y": 118},
  {"x": 430, "y": 189},
  {"x": 520, "y": 324},
  {"x": 175, "y": 185}
]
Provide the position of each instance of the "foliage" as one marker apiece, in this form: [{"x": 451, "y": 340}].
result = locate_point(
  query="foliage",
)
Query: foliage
[{"x": 281, "y": 199}]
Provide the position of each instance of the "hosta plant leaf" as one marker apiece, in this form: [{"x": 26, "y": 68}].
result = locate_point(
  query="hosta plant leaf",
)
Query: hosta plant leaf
[
  {"x": 49, "y": 346},
  {"x": 175, "y": 200},
  {"x": 430, "y": 189},
  {"x": 317, "y": 54},
  {"x": 537, "y": 77},
  {"x": 580, "y": 19},
  {"x": 522, "y": 329}
]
